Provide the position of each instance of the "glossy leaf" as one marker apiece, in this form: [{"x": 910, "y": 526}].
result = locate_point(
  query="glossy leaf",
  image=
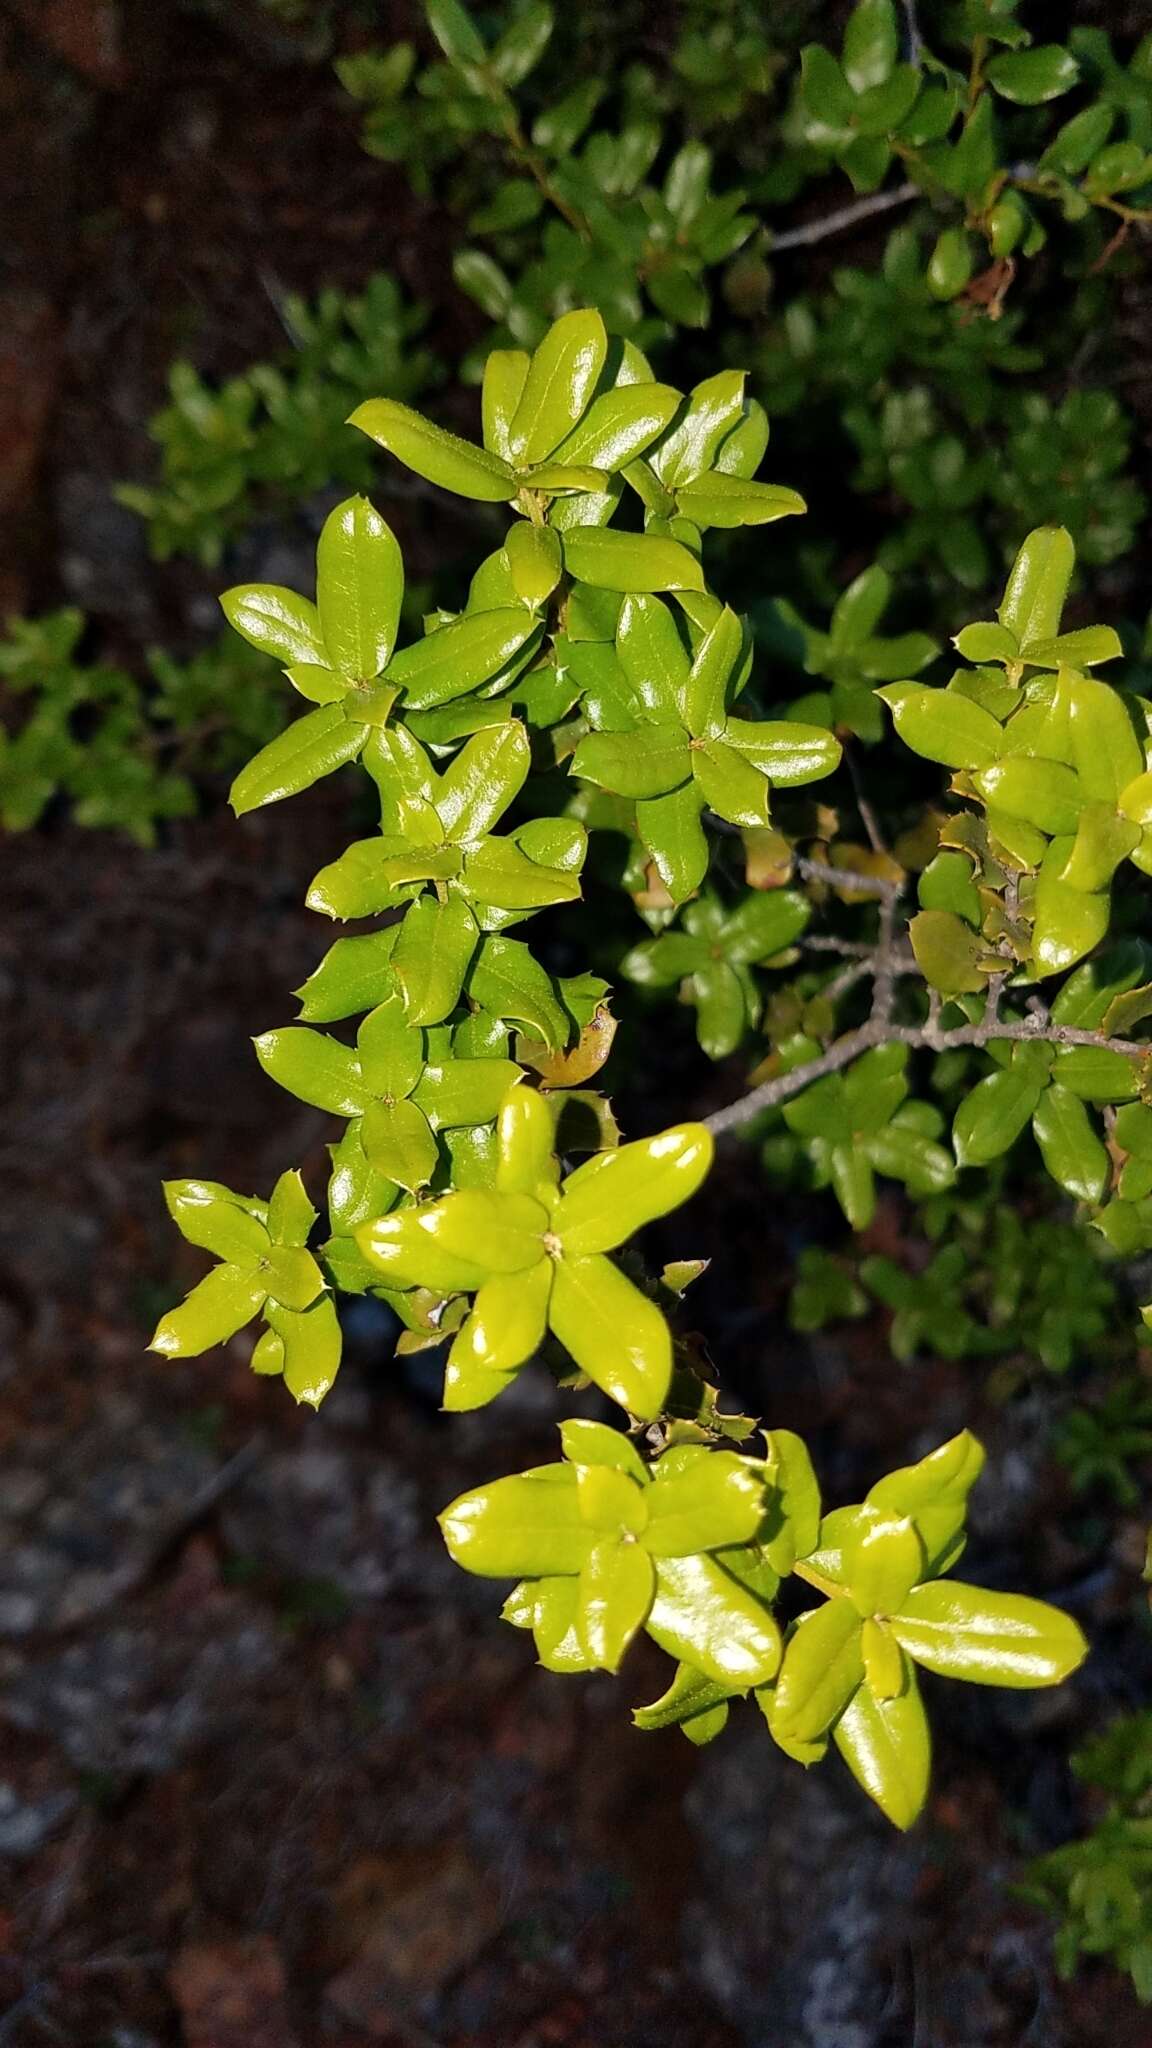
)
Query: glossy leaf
[
  {"x": 359, "y": 588},
  {"x": 1072, "y": 1152},
  {"x": 314, "y": 1067},
  {"x": 398, "y": 1141},
  {"x": 988, "y": 1638},
  {"x": 1105, "y": 748},
  {"x": 211, "y": 1218},
  {"x": 226, "y": 1299},
  {"x": 671, "y": 830},
  {"x": 290, "y": 1213},
  {"x": 619, "y": 425},
  {"x": 882, "y": 1564},
  {"x": 991, "y": 1118},
  {"x": 526, "y": 1139},
  {"x": 1037, "y": 586},
  {"x": 535, "y": 561},
  {"x": 506, "y": 979},
  {"x": 505, "y": 370},
  {"x": 1043, "y": 793},
  {"x": 311, "y": 1345},
  {"x": 505, "y": 1328},
  {"x": 561, "y": 379},
  {"x": 442, "y": 458},
  {"x": 702, "y": 1616},
  {"x": 617, "y": 1193},
  {"x": 943, "y": 726},
  {"x": 726, "y": 501},
  {"x": 690, "y": 1695},
  {"x": 823, "y": 1665},
  {"x": 314, "y": 746},
  {"x": 614, "y": 1333},
  {"x": 459, "y": 657},
  {"x": 934, "y": 1492},
  {"x": 716, "y": 1500},
  {"x": 354, "y": 975},
  {"x": 276, "y": 621},
  {"x": 1067, "y": 922},
  {"x": 432, "y": 956},
  {"x": 887, "y": 1746},
  {"x": 523, "y": 1525},
  {"x": 794, "y": 1519},
  {"x": 644, "y": 763},
  {"x": 788, "y": 752},
  {"x": 629, "y": 561},
  {"x": 616, "y": 1588},
  {"x": 1032, "y": 76}
]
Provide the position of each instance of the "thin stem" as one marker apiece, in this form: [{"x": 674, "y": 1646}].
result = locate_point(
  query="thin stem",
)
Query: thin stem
[
  {"x": 537, "y": 170},
  {"x": 915, "y": 40},
  {"x": 884, "y": 982},
  {"x": 868, "y": 818},
  {"x": 880, "y": 1031},
  {"x": 847, "y": 878},
  {"x": 844, "y": 217}
]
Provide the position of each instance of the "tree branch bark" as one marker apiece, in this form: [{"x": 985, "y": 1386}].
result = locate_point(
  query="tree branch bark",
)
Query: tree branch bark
[
  {"x": 928, "y": 1036},
  {"x": 843, "y": 218}
]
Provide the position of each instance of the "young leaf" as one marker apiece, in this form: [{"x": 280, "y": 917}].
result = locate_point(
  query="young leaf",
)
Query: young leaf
[
  {"x": 310, "y": 1345},
  {"x": 314, "y": 746},
  {"x": 616, "y": 1587},
  {"x": 617, "y": 1336},
  {"x": 726, "y": 501},
  {"x": 561, "y": 379},
  {"x": 619, "y": 425},
  {"x": 535, "y": 561},
  {"x": 442, "y": 458},
  {"x": 823, "y": 1665},
  {"x": 460, "y": 656},
  {"x": 220, "y": 1305},
  {"x": 523, "y": 1526},
  {"x": 505, "y": 1328},
  {"x": 617, "y": 1193},
  {"x": 644, "y": 763},
  {"x": 314, "y": 1067},
  {"x": 276, "y": 621},
  {"x": 671, "y": 830},
  {"x": 629, "y": 561},
  {"x": 211, "y": 1218},
  {"x": 359, "y": 589},
  {"x": 887, "y": 1746},
  {"x": 504, "y": 373},
  {"x": 1037, "y": 587},
  {"x": 704, "y": 1617},
  {"x": 432, "y": 956},
  {"x": 354, "y": 975},
  {"x": 716, "y": 1500},
  {"x": 988, "y": 1638},
  {"x": 943, "y": 726},
  {"x": 505, "y": 979}
]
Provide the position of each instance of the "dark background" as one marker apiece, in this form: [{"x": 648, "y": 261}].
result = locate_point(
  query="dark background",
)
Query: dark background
[{"x": 272, "y": 1774}]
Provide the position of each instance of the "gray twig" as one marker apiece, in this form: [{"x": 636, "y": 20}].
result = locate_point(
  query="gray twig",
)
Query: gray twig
[
  {"x": 915, "y": 41},
  {"x": 847, "y": 878},
  {"x": 880, "y": 1030},
  {"x": 844, "y": 217}
]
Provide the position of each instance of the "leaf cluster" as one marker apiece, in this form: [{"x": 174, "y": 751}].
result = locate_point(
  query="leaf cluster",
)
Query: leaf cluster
[
  {"x": 121, "y": 751},
  {"x": 593, "y": 681},
  {"x": 1099, "y": 1888}
]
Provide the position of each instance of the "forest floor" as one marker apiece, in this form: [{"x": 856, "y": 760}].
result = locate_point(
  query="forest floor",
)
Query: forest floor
[{"x": 273, "y": 1775}]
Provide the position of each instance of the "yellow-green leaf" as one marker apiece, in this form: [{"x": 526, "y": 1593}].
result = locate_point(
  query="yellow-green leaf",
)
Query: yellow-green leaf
[{"x": 433, "y": 453}]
